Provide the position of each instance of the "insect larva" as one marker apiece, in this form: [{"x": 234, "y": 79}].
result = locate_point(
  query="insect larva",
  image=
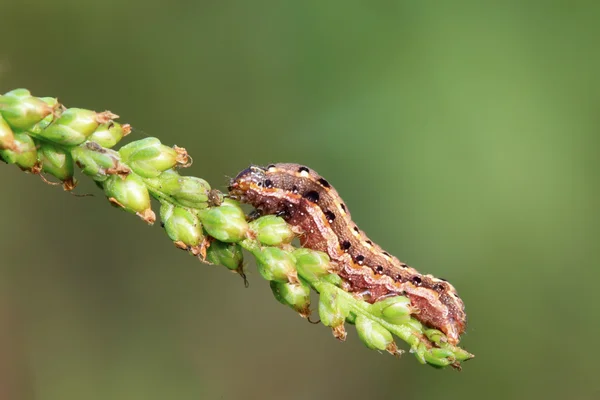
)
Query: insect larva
[{"x": 309, "y": 202}]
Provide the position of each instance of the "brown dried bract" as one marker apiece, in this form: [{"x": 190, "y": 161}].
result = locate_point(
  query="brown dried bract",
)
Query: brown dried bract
[
  {"x": 183, "y": 159},
  {"x": 119, "y": 169},
  {"x": 105, "y": 117},
  {"x": 147, "y": 215},
  {"x": 180, "y": 245},
  {"x": 339, "y": 332},
  {"x": 126, "y": 129},
  {"x": 116, "y": 203},
  {"x": 69, "y": 184}
]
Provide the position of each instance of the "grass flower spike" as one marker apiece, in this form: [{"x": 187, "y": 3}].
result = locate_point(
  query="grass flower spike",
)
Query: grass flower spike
[{"x": 41, "y": 136}]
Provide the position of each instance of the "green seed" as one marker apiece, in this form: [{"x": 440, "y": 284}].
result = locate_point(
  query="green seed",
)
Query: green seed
[
  {"x": 21, "y": 110},
  {"x": 372, "y": 334},
  {"x": 414, "y": 324},
  {"x": 181, "y": 225},
  {"x": 72, "y": 128},
  {"x": 130, "y": 193},
  {"x": 186, "y": 191},
  {"x": 462, "y": 355},
  {"x": 435, "y": 336},
  {"x": 294, "y": 295},
  {"x": 148, "y": 157},
  {"x": 25, "y": 156},
  {"x": 7, "y": 138},
  {"x": 333, "y": 309},
  {"x": 226, "y": 254},
  {"x": 45, "y": 122},
  {"x": 56, "y": 161},
  {"x": 225, "y": 223},
  {"x": 275, "y": 264},
  {"x": 97, "y": 162},
  {"x": 271, "y": 230},
  {"x": 395, "y": 310},
  {"x": 439, "y": 357},
  {"x": 312, "y": 265},
  {"x": 109, "y": 134}
]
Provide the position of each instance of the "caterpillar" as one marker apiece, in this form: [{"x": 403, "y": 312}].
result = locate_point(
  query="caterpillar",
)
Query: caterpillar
[{"x": 309, "y": 202}]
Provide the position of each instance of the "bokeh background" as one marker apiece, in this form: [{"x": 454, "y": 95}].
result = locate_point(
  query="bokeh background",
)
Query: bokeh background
[{"x": 464, "y": 137}]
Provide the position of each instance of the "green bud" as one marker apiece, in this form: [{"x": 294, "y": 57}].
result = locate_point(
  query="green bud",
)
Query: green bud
[
  {"x": 187, "y": 191},
  {"x": 21, "y": 110},
  {"x": 311, "y": 264},
  {"x": 227, "y": 254},
  {"x": 419, "y": 351},
  {"x": 56, "y": 161},
  {"x": 25, "y": 156},
  {"x": 415, "y": 325},
  {"x": 109, "y": 134},
  {"x": 413, "y": 338},
  {"x": 148, "y": 157},
  {"x": 372, "y": 334},
  {"x": 294, "y": 295},
  {"x": 271, "y": 230},
  {"x": 435, "y": 336},
  {"x": 7, "y": 138},
  {"x": 275, "y": 264},
  {"x": 333, "y": 309},
  {"x": 462, "y": 355},
  {"x": 395, "y": 310},
  {"x": 181, "y": 225},
  {"x": 97, "y": 162},
  {"x": 131, "y": 194},
  {"x": 45, "y": 122},
  {"x": 439, "y": 357},
  {"x": 73, "y": 127},
  {"x": 226, "y": 223}
]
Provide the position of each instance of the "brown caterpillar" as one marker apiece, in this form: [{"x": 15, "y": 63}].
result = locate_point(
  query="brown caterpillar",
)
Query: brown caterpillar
[{"x": 306, "y": 200}]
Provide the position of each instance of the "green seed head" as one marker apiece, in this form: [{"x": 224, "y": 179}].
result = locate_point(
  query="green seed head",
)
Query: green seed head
[
  {"x": 333, "y": 309},
  {"x": 72, "y": 128},
  {"x": 226, "y": 223},
  {"x": 275, "y": 264},
  {"x": 45, "y": 122},
  {"x": 25, "y": 156},
  {"x": 56, "y": 161},
  {"x": 439, "y": 357},
  {"x": 148, "y": 157},
  {"x": 21, "y": 110},
  {"x": 181, "y": 225},
  {"x": 372, "y": 334},
  {"x": 7, "y": 138},
  {"x": 294, "y": 295},
  {"x": 435, "y": 336},
  {"x": 395, "y": 310},
  {"x": 129, "y": 193},
  {"x": 226, "y": 254},
  {"x": 187, "y": 191},
  {"x": 312, "y": 265},
  {"x": 97, "y": 162},
  {"x": 461, "y": 355},
  {"x": 415, "y": 325},
  {"x": 109, "y": 134},
  {"x": 271, "y": 230}
]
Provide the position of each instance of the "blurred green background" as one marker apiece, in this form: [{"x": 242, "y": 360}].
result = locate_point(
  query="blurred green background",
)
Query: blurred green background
[{"x": 464, "y": 138}]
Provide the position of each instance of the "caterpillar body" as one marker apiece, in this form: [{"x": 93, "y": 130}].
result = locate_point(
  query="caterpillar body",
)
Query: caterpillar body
[{"x": 309, "y": 202}]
